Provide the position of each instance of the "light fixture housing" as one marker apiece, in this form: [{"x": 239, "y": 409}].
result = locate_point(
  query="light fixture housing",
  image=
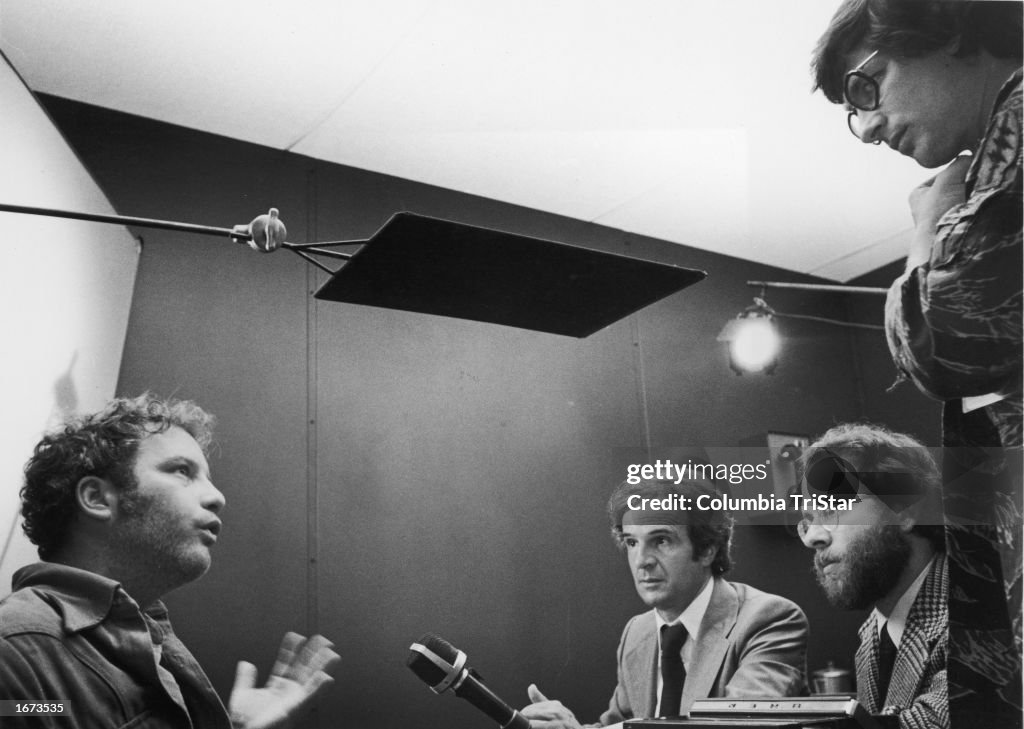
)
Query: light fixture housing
[{"x": 753, "y": 340}]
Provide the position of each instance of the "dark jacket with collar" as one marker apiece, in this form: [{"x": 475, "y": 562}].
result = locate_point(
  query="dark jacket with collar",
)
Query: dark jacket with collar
[{"x": 74, "y": 636}]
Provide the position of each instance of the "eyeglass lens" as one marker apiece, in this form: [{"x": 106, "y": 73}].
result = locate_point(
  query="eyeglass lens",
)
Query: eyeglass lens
[{"x": 861, "y": 91}]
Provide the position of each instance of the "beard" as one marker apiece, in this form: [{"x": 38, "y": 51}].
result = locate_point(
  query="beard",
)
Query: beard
[
  {"x": 870, "y": 567},
  {"x": 155, "y": 545}
]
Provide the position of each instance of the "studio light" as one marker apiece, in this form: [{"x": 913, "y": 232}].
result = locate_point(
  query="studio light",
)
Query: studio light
[{"x": 752, "y": 339}]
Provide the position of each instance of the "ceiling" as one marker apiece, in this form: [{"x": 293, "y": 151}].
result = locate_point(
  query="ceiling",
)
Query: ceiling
[{"x": 686, "y": 120}]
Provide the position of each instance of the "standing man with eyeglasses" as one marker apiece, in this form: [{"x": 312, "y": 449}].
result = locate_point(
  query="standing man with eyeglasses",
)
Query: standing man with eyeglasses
[
  {"x": 886, "y": 555},
  {"x": 936, "y": 80}
]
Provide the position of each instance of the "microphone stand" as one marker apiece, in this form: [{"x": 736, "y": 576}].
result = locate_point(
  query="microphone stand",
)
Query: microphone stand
[{"x": 265, "y": 233}]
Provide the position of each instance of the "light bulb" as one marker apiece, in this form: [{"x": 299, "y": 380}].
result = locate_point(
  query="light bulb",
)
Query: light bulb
[{"x": 755, "y": 344}]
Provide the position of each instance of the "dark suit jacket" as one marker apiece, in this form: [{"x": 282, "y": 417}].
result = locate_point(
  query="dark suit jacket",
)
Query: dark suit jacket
[
  {"x": 750, "y": 644},
  {"x": 917, "y": 690}
]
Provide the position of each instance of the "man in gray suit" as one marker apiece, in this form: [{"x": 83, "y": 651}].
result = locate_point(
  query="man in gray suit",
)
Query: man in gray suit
[
  {"x": 705, "y": 637},
  {"x": 886, "y": 554}
]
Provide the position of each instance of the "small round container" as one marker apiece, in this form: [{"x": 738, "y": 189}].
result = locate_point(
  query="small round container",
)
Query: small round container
[{"x": 832, "y": 680}]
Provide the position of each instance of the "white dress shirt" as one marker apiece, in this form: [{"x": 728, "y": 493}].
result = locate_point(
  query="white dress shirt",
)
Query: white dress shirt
[{"x": 897, "y": 619}]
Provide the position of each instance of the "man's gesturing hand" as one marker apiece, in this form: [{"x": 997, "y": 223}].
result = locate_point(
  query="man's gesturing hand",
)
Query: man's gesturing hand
[{"x": 300, "y": 673}]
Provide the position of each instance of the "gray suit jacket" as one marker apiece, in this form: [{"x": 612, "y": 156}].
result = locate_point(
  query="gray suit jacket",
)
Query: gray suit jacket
[
  {"x": 750, "y": 644},
  {"x": 917, "y": 690}
]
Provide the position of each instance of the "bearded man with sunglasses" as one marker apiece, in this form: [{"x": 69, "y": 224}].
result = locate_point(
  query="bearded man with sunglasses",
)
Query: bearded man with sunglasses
[
  {"x": 885, "y": 555},
  {"x": 936, "y": 80}
]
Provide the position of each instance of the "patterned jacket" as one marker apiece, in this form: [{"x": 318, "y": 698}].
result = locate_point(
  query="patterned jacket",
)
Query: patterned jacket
[
  {"x": 917, "y": 690},
  {"x": 954, "y": 324}
]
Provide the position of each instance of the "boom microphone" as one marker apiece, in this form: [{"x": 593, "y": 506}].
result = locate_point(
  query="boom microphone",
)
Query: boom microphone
[{"x": 442, "y": 666}]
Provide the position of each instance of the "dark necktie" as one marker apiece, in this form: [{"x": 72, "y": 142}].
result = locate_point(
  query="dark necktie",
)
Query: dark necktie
[
  {"x": 886, "y": 659},
  {"x": 672, "y": 672}
]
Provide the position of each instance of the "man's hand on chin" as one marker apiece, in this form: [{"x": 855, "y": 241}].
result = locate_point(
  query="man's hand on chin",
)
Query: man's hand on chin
[{"x": 929, "y": 201}]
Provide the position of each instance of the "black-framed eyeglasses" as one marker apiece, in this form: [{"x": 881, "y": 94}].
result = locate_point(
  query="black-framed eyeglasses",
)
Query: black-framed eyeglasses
[{"x": 861, "y": 92}]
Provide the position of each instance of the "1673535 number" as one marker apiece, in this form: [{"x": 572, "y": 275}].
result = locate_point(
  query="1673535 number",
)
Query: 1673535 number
[{"x": 33, "y": 708}]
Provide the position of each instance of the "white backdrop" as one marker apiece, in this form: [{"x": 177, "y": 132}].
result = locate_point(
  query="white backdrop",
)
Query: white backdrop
[{"x": 65, "y": 295}]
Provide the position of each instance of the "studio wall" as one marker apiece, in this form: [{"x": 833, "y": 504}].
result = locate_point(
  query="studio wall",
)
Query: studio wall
[{"x": 390, "y": 473}]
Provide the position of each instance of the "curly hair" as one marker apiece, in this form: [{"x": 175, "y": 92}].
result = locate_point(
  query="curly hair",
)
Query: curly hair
[
  {"x": 910, "y": 28},
  {"x": 706, "y": 529},
  {"x": 103, "y": 444},
  {"x": 872, "y": 452}
]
